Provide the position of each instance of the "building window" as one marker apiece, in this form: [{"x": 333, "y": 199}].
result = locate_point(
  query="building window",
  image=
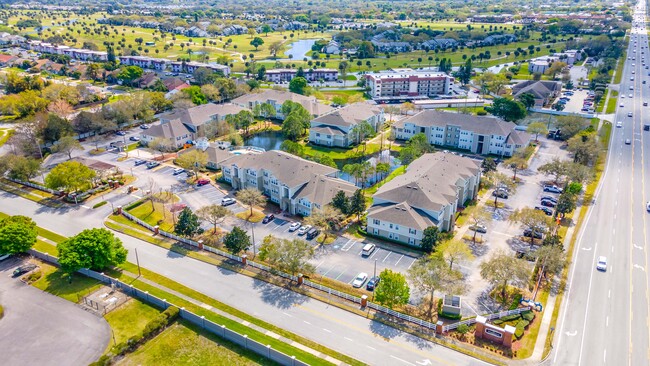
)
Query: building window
[
  {"x": 413, "y": 231},
  {"x": 375, "y": 222},
  {"x": 391, "y": 226}
]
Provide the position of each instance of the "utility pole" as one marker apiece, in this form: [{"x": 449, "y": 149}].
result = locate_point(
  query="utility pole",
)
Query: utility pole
[
  {"x": 374, "y": 274},
  {"x": 137, "y": 260}
]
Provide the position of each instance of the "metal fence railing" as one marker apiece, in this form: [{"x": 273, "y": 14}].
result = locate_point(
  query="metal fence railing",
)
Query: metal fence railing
[
  {"x": 217, "y": 329},
  {"x": 36, "y": 186},
  {"x": 491, "y": 316}
]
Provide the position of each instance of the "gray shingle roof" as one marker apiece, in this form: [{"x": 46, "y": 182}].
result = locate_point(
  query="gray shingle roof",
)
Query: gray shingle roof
[
  {"x": 349, "y": 115},
  {"x": 311, "y": 104},
  {"x": 540, "y": 89},
  {"x": 482, "y": 125},
  {"x": 402, "y": 214},
  {"x": 197, "y": 116},
  {"x": 327, "y": 131},
  {"x": 321, "y": 189},
  {"x": 169, "y": 130}
]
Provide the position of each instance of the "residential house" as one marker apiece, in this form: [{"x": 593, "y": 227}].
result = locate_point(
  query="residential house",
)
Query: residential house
[
  {"x": 476, "y": 134},
  {"x": 174, "y": 131},
  {"x": 297, "y": 185},
  {"x": 144, "y": 62},
  {"x": 147, "y": 80},
  {"x": 277, "y": 97},
  {"x": 544, "y": 91},
  {"x": 195, "y": 117},
  {"x": 439, "y": 43},
  {"x": 174, "y": 83},
  {"x": 428, "y": 194},
  {"x": 216, "y": 155},
  {"x": 333, "y": 47},
  {"x": 6, "y": 60},
  {"x": 498, "y": 39},
  {"x": 336, "y": 128}
]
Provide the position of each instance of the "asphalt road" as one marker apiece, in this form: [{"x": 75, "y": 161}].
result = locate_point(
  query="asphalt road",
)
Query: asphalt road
[
  {"x": 605, "y": 320},
  {"x": 363, "y": 339},
  {"x": 42, "y": 329}
]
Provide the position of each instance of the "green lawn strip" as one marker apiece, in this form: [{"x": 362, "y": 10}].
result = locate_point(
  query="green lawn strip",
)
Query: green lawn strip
[
  {"x": 530, "y": 337},
  {"x": 56, "y": 282},
  {"x": 129, "y": 319},
  {"x": 601, "y": 103},
  {"x": 612, "y": 103},
  {"x": 221, "y": 320},
  {"x": 183, "y": 343},
  {"x": 5, "y": 134},
  {"x": 619, "y": 68},
  {"x": 399, "y": 171}
]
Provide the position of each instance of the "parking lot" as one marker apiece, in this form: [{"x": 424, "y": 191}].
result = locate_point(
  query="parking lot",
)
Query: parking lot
[{"x": 575, "y": 102}]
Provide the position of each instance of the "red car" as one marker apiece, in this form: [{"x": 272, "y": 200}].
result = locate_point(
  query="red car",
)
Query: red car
[{"x": 202, "y": 182}]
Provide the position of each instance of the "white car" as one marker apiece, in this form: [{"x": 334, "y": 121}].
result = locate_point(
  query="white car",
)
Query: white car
[
  {"x": 601, "y": 265},
  {"x": 294, "y": 226},
  {"x": 304, "y": 229},
  {"x": 360, "y": 280},
  {"x": 621, "y": 105},
  {"x": 629, "y": 95},
  {"x": 227, "y": 201},
  {"x": 647, "y": 206},
  {"x": 619, "y": 124}
]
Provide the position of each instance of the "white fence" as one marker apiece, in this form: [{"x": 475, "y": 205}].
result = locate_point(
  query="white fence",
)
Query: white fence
[
  {"x": 212, "y": 327},
  {"x": 492, "y": 316},
  {"x": 36, "y": 186}
]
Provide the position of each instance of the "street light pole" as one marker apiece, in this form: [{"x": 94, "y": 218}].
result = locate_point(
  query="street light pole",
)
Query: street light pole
[
  {"x": 374, "y": 274},
  {"x": 137, "y": 260}
]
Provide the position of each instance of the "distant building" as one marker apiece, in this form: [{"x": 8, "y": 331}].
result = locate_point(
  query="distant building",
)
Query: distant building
[
  {"x": 144, "y": 62},
  {"x": 336, "y": 128},
  {"x": 407, "y": 84},
  {"x": 190, "y": 67},
  {"x": 476, "y": 134},
  {"x": 281, "y": 75},
  {"x": 73, "y": 53},
  {"x": 428, "y": 194},
  {"x": 544, "y": 91},
  {"x": 194, "y": 118},
  {"x": 277, "y": 97}
]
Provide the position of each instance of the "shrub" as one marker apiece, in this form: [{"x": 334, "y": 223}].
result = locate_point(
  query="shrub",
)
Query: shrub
[
  {"x": 103, "y": 361},
  {"x": 449, "y": 316},
  {"x": 510, "y": 317},
  {"x": 463, "y": 328},
  {"x": 2, "y": 311},
  {"x": 100, "y": 204},
  {"x": 515, "y": 302},
  {"x": 34, "y": 276},
  {"x": 481, "y": 112},
  {"x": 523, "y": 323},
  {"x": 528, "y": 315},
  {"x": 519, "y": 332}
]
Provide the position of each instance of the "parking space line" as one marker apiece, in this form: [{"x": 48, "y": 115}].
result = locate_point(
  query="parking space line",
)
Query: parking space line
[
  {"x": 328, "y": 271},
  {"x": 400, "y": 258},
  {"x": 373, "y": 254},
  {"x": 319, "y": 264},
  {"x": 411, "y": 265},
  {"x": 341, "y": 274},
  {"x": 388, "y": 255}
]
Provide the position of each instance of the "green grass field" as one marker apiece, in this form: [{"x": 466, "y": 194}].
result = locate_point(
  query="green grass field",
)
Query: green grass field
[
  {"x": 129, "y": 319},
  {"x": 184, "y": 344},
  {"x": 5, "y": 134},
  {"x": 56, "y": 282}
]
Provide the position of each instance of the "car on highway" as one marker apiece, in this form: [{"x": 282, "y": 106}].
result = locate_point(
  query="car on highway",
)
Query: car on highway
[
  {"x": 178, "y": 171},
  {"x": 601, "y": 264},
  {"x": 645, "y": 104},
  {"x": 546, "y": 210},
  {"x": 202, "y": 182},
  {"x": 621, "y": 105},
  {"x": 139, "y": 162},
  {"x": 552, "y": 188},
  {"x": 268, "y": 218},
  {"x": 372, "y": 283},
  {"x": 647, "y": 206},
  {"x": 628, "y": 142},
  {"x": 304, "y": 229},
  {"x": 479, "y": 228},
  {"x": 24, "y": 269},
  {"x": 360, "y": 280},
  {"x": 619, "y": 124},
  {"x": 294, "y": 226},
  {"x": 152, "y": 164},
  {"x": 227, "y": 201},
  {"x": 630, "y": 95}
]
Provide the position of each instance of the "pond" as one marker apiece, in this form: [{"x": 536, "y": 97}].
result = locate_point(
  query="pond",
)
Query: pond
[
  {"x": 268, "y": 140},
  {"x": 299, "y": 49}
]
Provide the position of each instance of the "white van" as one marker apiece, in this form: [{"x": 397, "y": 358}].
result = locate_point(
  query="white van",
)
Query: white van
[{"x": 368, "y": 249}]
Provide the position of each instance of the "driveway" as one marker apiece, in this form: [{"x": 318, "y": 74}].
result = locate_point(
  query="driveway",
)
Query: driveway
[{"x": 42, "y": 329}]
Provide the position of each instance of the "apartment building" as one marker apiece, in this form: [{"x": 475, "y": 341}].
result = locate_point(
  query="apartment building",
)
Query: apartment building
[
  {"x": 190, "y": 67},
  {"x": 337, "y": 128},
  {"x": 297, "y": 185},
  {"x": 277, "y": 97},
  {"x": 285, "y": 75},
  {"x": 73, "y": 53},
  {"x": 194, "y": 118},
  {"x": 407, "y": 84},
  {"x": 428, "y": 194},
  {"x": 144, "y": 62},
  {"x": 476, "y": 134}
]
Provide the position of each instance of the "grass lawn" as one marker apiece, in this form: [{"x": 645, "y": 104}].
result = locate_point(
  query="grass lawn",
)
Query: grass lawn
[
  {"x": 184, "y": 344},
  {"x": 619, "y": 68},
  {"x": 160, "y": 215},
  {"x": 612, "y": 103},
  {"x": 130, "y": 318},
  {"x": 343, "y": 154},
  {"x": 55, "y": 281},
  {"x": 5, "y": 134},
  {"x": 256, "y": 217},
  {"x": 399, "y": 171}
]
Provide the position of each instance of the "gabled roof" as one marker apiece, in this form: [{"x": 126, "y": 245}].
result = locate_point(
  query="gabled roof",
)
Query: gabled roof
[
  {"x": 482, "y": 125},
  {"x": 321, "y": 189},
  {"x": 175, "y": 83},
  {"x": 517, "y": 137},
  {"x": 349, "y": 115},
  {"x": 402, "y": 214},
  {"x": 311, "y": 104},
  {"x": 540, "y": 89},
  {"x": 197, "y": 116},
  {"x": 287, "y": 168},
  {"x": 328, "y": 130},
  {"x": 169, "y": 130},
  {"x": 430, "y": 181}
]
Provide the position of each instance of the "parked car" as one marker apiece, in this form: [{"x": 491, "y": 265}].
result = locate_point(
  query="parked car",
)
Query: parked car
[
  {"x": 538, "y": 234},
  {"x": 268, "y": 218},
  {"x": 552, "y": 188},
  {"x": 546, "y": 210},
  {"x": 144, "y": 126},
  {"x": 479, "y": 228},
  {"x": 549, "y": 198},
  {"x": 120, "y": 133},
  {"x": 312, "y": 233},
  {"x": 500, "y": 193},
  {"x": 372, "y": 283},
  {"x": 139, "y": 162},
  {"x": 294, "y": 226},
  {"x": 548, "y": 203},
  {"x": 4, "y": 256},
  {"x": 601, "y": 264},
  {"x": 178, "y": 171},
  {"x": 152, "y": 164},
  {"x": 202, "y": 182},
  {"x": 24, "y": 269},
  {"x": 304, "y": 229},
  {"x": 368, "y": 249},
  {"x": 360, "y": 280},
  {"x": 227, "y": 201}
]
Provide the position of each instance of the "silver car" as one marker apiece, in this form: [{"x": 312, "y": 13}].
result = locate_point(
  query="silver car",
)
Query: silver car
[{"x": 360, "y": 280}]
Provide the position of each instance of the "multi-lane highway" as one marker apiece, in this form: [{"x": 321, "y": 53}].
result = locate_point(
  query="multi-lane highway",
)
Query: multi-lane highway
[{"x": 605, "y": 320}]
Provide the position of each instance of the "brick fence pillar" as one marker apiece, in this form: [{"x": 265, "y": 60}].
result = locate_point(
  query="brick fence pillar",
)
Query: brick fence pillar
[
  {"x": 200, "y": 242},
  {"x": 301, "y": 279},
  {"x": 439, "y": 326},
  {"x": 156, "y": 230},
  {"x": 243, "y": 259},
  {"x": 119, "y": 210},
  {"x": 364, "y": 301}
]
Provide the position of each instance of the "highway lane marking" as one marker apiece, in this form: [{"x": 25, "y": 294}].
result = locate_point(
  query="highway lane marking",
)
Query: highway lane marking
[
  {"x": 609, "y": 294},
  {"x": 306, "y": 322},
  {"x": 604, "y": 355},
  {"x": 637, "y": 247},
  {"x": 586, "y": 249},
  {"x": 636, "y": 266},
  {"x": 327, "y": 330},
  {"x": 372, "y": 348},
  {"x": 289, "y": 315},
  {"x": 607, "y": 321},
  {"x": 399, "y": 359},
  {"x": 348, "y": 339}
]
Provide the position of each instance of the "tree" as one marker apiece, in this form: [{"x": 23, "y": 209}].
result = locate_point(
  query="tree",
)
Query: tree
[
  {"x": 298, "y": 85},
  {"x": 214, "y": 214},
  {"x": 516, "y": 163},
  {"x": 488, "y": 165},
  {"x": 365, "y": 50},
  {"x": 275, "y": 47},
  {"x": 251, "y": 197},
  {"x": 288, "y": 255},
  {"x": 256, "y": 42},
  {"x": 503, "y": 269},
  {"x": 54, "y": 128},
  {"x": 70, "y": 176},
  {"x": 66, "y": 145},
  {"x": 455, "y": 251},
  {"x": 292, "y": 127},
  {"x": 60, "y": 108},
  {"x": 585, "y": 148},
  {"x": 392, "y": 289},
  {"x": 465, "y": 72},
  {"x": 203, "y": 76},
  {"x": 357, "y": 204},
  {"x": 551, "y": 259},
  {"x": 431, "y": 273},
  {"x": 537, "y": 128},
  {"x": 555, "y": 68},
  {"x": 556, "y": 168},
  {"x": 294, "y": 148},
  {"x": 528, "y": 100},
  {"x": 96, "y": 249},
  {"x": 161, "y": 145},
  {"x": 192, "y": 161},
  {"x": 508, "y": 109},
  {"x": 188, "y": 224},
  {"x": 477, "y": 215},
  {"x": 17, "y": 234},
  {"x": 566, "y": 203},
  {"x": 570, "y": 126},
  {"x": 325, "y": 219},
  {"x": 341, "y": 202},
  {"x": 534, "y": 220},
  {"x": 19, "y": 167},
  {"x": 129, "y": 73},
  {"x": 430, "y": 239},
  {"x": 498, "y": 179},
  {"x": 237, "y": 241}
]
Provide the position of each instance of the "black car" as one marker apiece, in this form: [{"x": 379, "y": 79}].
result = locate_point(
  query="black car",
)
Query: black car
[
  {"x": 312, "y": 233},
  {"x": 546, "y": 210},
  {"x": 268, "y": 218},
  {"x": 538, "y": 234},
  {"x": 500, "y": 193},
  {"x": 24, "y": 269},
  {"x": 549, "y": 198},
  {"x": 548, "y": 203},
  {"x": 370, "y": 286}
]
